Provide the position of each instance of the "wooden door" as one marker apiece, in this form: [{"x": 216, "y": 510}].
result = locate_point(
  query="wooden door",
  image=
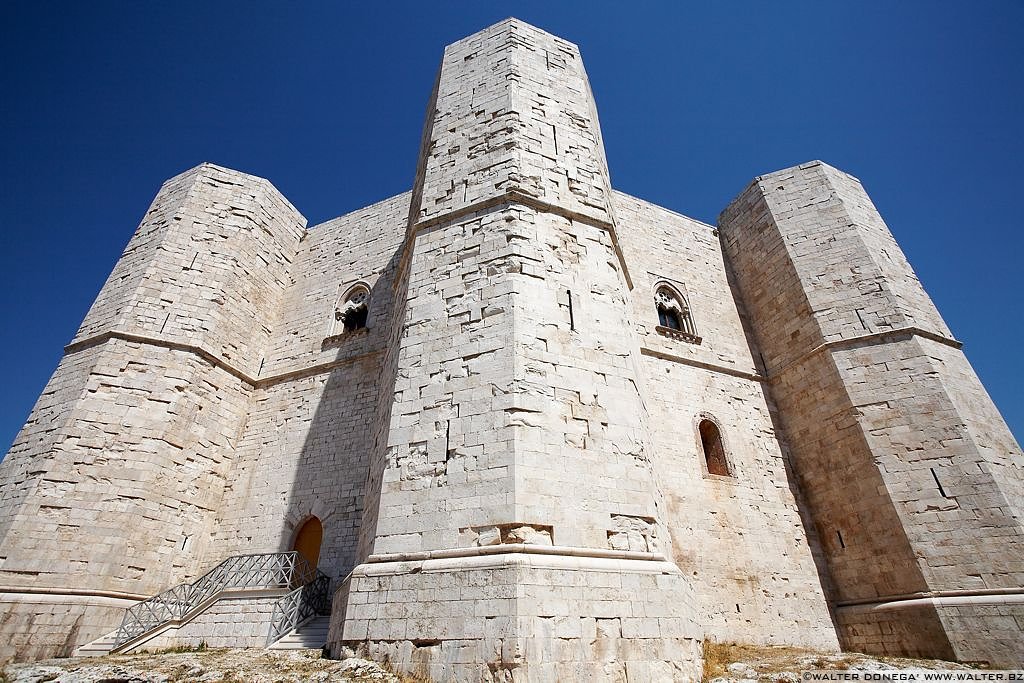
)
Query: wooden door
[{"x": 308, "y": 540}]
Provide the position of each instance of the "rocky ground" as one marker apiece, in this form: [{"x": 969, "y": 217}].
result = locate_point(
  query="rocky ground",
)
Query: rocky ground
[
  {"x": 210, "y": 666},
  {"x": 723, "y": 664},
  {"x": 746, "y": 663}
]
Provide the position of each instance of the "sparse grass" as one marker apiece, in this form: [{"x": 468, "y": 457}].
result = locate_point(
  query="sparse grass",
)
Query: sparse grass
[
  {"x": 414, "y": 678},
  {"x": 177, "y": 650},
  {"x": 716, "y": 658},
  {"x": 770, "y": 660},
  {"x": 403, "y": 677}
]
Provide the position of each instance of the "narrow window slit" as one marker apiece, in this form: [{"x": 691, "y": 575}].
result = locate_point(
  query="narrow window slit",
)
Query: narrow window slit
[
  {"x": 572, "y": 320},
  {"x": 861, "y": 319},
  {"x": 165, "y": 322},
  {"x": 938, "y": 483},
  {"x": 839, "y": 535}
]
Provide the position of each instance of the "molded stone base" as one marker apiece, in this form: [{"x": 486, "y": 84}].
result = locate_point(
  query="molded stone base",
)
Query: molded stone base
[
  {"x": 522, "y": 616},
  {"x": 37, "y": 626},
  {"x": 965, "y": 628}
]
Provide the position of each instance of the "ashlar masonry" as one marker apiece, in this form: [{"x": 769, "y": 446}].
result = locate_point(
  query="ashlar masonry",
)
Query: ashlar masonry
[{"x": 528, "y": 427}]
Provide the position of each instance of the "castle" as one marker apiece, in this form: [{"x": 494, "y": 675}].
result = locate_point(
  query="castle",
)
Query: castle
[{"x": 526, "y": 427}]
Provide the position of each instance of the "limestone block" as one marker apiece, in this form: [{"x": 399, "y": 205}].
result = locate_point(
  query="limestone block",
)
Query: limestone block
[{"x": 528, "y": 534}]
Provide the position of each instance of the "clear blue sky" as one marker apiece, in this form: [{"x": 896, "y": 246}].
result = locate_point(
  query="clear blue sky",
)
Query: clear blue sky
[{"x": 101, "y": 102}]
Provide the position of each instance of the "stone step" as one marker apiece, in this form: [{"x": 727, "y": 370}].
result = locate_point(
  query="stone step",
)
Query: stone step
[
  {"x": 311, "y": 635},
  {"x": 96, "y": 648}
]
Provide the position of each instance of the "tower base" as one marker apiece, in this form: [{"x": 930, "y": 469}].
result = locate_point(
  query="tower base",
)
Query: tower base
[
  {"x": 42, "y": 624},
  {"x": 521, "y": 613},
  {"x": 978, "y": 626}
]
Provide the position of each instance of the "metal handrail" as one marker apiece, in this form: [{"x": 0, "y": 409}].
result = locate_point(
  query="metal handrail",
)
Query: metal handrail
[
  {"x": 268, "y": 570},
  {"x": 301, "y": 604}
]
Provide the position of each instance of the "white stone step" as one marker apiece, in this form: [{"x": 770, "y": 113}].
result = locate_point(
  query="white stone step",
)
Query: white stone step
[
  {"x": 311, "y": 635},
  {"x": 96, "y": 648}
]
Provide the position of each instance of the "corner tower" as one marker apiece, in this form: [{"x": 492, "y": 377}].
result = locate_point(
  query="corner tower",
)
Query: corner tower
[
  {"x": 912, "y": 477},
  {"x": 110, "y": 491},
  {"x": 514, "y": 521}
]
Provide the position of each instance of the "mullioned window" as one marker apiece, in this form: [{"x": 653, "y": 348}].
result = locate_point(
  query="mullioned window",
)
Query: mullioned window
[{"x": 674, "y": 317}]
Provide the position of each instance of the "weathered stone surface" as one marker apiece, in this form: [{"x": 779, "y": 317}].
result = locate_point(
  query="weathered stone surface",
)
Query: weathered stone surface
[
  {"x": 506, "y": 460},
  {"x": 911, "y": 476},
  {"x": 251, "y": 666}
]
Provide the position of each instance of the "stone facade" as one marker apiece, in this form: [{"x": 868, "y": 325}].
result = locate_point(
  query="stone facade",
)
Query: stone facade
[{"x": 526, "y": 466}]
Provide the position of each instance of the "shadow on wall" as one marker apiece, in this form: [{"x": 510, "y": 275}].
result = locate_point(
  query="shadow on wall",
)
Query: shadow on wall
[
  {"x": 792, "y": 480},
  {"x": 332, "y": 474}
]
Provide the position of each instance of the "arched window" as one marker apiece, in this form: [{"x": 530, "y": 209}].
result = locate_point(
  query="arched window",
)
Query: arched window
[
  {"x": 351, "y": 314},
  {"x": 714, "y": 451},
  {"x": 674, "y": 319}
]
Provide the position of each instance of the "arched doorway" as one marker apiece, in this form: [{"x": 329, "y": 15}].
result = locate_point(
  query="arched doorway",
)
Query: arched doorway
[{"x": 308, "y": 540}]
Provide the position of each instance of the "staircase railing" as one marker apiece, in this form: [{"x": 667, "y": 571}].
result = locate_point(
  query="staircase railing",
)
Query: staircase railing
[
  {"x": 270, "y": 570},
  {"x": 302, "y": 603}
]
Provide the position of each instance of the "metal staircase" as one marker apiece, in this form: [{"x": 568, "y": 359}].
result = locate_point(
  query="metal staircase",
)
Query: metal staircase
[
  {"x": 302, "y": 604},
  {"x": 308, "y": 596}
]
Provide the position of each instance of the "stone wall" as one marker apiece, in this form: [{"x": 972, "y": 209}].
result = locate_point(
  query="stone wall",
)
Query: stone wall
[
  {"x": 740, "y": 540},
  {"x": 214, "y": 250},
  {"x": 39, "y": 439},
  {"x": 447, "y": 463},
  {"x": 303, "y": 454},
  {"x": 507, "y": 456},
  {"x": 146, "y": 447},
  {"x": 306, "y": 445},
  {"x": 512, "y": 113}
]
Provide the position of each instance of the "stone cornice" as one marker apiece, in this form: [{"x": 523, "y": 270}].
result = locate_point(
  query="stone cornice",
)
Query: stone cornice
[
  {"x": 516, "y": 548},
  {"x": 64, "y": 592},
  {"x": 907, "y": 600},
  {"x": 682, "y": 360},
  {"x": 898, "y": 334},
  {"x": 213, "y": 359}
]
